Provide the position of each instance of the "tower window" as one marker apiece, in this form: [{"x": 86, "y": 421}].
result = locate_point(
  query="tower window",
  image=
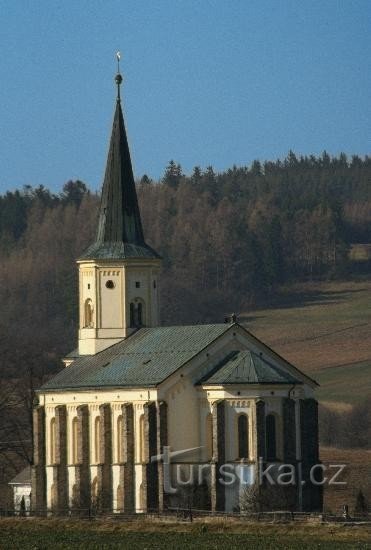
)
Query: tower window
[
  {"x": 154, "y": 284},
  {"x": 110, "y": 284},
  {"x": 88, "y": 286},
  {"x": 137, "y": 284},
  {"x": 88, "y": 314}
]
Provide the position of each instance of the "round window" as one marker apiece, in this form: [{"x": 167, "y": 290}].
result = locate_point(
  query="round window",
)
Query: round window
[{"x": 110, "y": 284}]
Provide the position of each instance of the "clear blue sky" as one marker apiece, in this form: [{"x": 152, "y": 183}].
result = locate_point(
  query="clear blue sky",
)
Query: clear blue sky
[{"x": 205, "y": 82}]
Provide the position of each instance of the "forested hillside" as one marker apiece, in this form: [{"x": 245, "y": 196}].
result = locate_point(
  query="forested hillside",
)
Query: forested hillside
[{"x": 229, "y": 242}]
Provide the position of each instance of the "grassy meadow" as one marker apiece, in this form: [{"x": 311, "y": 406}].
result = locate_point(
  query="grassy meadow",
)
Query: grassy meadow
[
  {"x": 38, "y": 534},
  {"x": 325, "y": 330}
]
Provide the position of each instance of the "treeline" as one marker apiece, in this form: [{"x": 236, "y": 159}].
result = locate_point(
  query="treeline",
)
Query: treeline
[
  {"x": 346, "y": 429},
  {"x": 228, "y": 241}
]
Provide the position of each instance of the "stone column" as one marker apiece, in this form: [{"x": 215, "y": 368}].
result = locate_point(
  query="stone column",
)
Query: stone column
[
  {"x": 150, "y": 473},
  {"x": 289, "y": 451},
  {"x": 127, "y": 453},
  {"x": 38, "y": 471},
  {"x": 104, "y": 470},
  {"x": 260, "y": 431},
  {"x": 289, "y": 430},
  {"x": 312, "y": 494},
  {"x": 162, "y": 441},
  {"x": 60, "y": 476},
  {"x": 82, "y": 468},
  {"x": 260, "y": 441},
  {"x": 218, "y": 490}
]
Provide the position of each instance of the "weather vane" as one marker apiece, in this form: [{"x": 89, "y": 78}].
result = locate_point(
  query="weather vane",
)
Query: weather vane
[
  {"x": 118, "y": 57},
  {"x": 118, "y": 77}
]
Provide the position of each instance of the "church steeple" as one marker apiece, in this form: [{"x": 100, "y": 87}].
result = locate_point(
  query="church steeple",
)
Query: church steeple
[
  {"x": 120, "y": 232},
  {"x": 118, "y": 273},
  {"x": 119, "y": 217}
]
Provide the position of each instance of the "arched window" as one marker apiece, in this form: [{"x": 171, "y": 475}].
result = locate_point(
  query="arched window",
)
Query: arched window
[
  {"x": 209, "y": 436},
  {"x": 137, "y": 313},
  {"x": 270, "y": 433},
  {"x": 88, "y": 314},
  {"x": 243, "y": 436},
  {"x": 52, "y": 453},
  {"x": 74, "y": 441},
  {"x": 97, "y": 440},
  {"x": 142, "y": 454},
  {"x": 119, "y": 440}
]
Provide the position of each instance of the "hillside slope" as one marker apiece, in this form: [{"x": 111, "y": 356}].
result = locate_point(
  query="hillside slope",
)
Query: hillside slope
[{"x": 324, "y": 329}]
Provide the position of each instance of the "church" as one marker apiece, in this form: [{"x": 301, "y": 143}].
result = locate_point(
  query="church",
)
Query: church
[{"x": 144, "y": 417}]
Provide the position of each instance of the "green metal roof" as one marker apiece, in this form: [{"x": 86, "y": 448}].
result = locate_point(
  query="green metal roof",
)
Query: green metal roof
[
  {"x": 246, "y": 367},
  {"x": 118, "y": 251},
  {"x": 145, "y": 359}
]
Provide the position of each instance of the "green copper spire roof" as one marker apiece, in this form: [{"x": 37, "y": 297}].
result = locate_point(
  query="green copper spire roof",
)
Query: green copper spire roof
[{"x": 120, "y": 232}]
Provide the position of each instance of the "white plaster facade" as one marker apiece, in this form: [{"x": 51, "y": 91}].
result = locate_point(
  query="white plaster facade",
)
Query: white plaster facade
[
  {"x": 106, "y": 291},
  {"x": 188, "y": 407}
]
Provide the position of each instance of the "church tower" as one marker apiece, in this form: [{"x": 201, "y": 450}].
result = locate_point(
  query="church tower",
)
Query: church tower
[{"x": 118, "y": 273}]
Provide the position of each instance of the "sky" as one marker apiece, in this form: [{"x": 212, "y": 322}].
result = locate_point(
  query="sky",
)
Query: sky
[{"x": 206, "y": 82}]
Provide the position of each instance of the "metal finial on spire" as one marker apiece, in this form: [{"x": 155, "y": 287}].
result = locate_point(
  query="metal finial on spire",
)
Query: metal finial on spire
[{"x": 118, "y": 77}]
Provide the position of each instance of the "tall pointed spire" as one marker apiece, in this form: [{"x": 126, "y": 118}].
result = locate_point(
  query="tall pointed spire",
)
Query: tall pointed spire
[{"x": 120, "y": 232}]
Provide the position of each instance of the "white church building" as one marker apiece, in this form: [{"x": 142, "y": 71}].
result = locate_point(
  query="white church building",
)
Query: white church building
[{"x": 213, "y": 398}]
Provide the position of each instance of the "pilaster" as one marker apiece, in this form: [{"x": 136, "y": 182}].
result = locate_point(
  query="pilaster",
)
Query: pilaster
[
  {"x": 127, "y": 466},
  {"x": 60, "y": 476},
  {"x": 150, "y": 472},
  {"x": 82, "y": 469},
  {"x": 38, "y": 473},
  {"x": 162, "y": 441},
  {"x": 104, "y": 470},
  {"x": 289, "y": 431},
  {"x": 218, "y": 490},
  {"x": 260, "y": 430},
  {"x": 312, "y": 494}
]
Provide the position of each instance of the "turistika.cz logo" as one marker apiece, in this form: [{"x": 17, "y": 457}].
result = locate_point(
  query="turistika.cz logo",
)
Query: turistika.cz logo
[{"x": 244, "y": 474}]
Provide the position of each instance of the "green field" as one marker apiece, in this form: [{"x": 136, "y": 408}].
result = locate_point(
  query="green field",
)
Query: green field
[
  {"x": 325, "y": 330},
  {"x": 337, "y": 381},
  {"x": 39, "y": 534}
]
